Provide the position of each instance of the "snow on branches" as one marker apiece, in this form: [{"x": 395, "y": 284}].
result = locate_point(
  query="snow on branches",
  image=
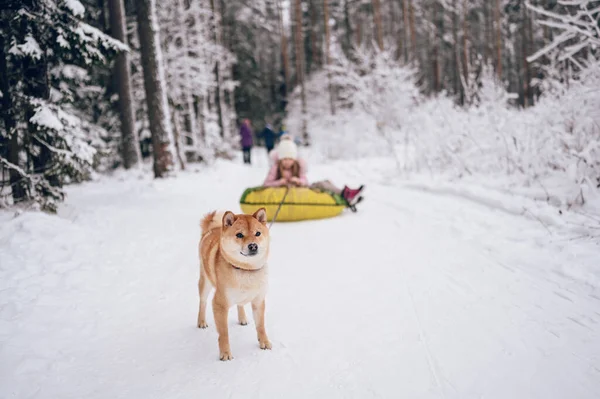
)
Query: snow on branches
[
  {"x": 579, "y": 25},
  {"x": 50, "y": 51}
]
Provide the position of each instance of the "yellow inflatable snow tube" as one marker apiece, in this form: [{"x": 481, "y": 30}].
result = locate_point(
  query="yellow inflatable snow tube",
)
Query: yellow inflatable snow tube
[{"x": 301, "y": 203}]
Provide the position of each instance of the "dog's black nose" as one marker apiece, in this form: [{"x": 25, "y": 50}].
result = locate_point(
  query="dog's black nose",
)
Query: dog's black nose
[{"x": 252, "y": 247}]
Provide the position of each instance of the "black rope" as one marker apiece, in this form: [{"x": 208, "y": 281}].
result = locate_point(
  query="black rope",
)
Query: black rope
[{"x": 287, "y": 190}]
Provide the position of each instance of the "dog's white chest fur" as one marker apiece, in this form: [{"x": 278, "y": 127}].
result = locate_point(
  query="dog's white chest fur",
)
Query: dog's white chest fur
[
  {"x": 250, "y": 288},
  {"x": 237, "y": 296}
]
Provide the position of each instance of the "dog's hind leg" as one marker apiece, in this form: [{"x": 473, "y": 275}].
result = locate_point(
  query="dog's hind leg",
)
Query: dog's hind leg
[
  {"x": 242, "y": 315},
  {"x": 203, "y": 290}
]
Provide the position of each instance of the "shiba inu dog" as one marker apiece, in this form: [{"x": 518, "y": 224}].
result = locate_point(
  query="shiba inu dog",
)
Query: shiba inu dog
[{"x": 233, "y": 259}]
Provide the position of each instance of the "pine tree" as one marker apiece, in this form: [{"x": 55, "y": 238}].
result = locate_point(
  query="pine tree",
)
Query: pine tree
[{"x": 49, "y": 51}]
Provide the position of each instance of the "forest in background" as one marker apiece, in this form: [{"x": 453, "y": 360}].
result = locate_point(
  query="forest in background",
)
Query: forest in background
[{"x": 90, "y": 86}]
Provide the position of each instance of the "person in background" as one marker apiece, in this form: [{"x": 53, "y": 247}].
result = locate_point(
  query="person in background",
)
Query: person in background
[
  {"x": 290, "y": 170},
  {"x": 282, "y": 131},
  {"x": 269, "y": 136},
  {"x": 246, "y": 140}
]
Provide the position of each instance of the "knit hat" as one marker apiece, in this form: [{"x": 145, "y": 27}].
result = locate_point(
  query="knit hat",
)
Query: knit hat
[{"x": 287, "y": 149}]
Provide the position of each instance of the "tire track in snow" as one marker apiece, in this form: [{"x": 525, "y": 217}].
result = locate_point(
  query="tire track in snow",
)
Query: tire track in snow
[
  {"x": 434, "y": 368},
  {"x": 542, "y": 282},
  {"x": 432, "y": 360}
]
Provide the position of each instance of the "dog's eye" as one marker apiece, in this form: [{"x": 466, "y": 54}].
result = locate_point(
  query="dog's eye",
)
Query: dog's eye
[
  {"x": 257, "y": 233},
  {"x": 239, "y": 235}
]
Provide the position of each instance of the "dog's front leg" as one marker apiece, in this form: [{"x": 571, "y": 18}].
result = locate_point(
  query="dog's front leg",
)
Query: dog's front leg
[
  {"x": 242, "y": 315},
  {"x": 258, "y": 312},
  {"x": 220, "y": 311}
]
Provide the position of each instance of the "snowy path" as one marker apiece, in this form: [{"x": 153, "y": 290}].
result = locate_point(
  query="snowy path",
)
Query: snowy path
[{"x": 416, "y": 296}]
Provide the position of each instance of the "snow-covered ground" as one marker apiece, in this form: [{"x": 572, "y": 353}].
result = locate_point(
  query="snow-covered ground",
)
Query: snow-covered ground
[{"x": 419, "y": 295}]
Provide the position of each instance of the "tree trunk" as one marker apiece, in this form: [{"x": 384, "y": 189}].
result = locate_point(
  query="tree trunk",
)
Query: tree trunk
[
  {"x": 358, "y": 29},
  {"x": 524, "y": 53},
  {"x": 378, "y": 23},
  {"x": 102, "y": 15},
  {"x": 189, "y": 114},
  {"x": 130, "y": 149},
  {"x": 458, "y": 88},
  {"x": 530, "y": 50},
  {"x": 17, "y": 182},
  {"x": 226, "y": 36},
  {"x": 155, "y": 87},
  {"x": 413, "y": 31},
  {"x": 405, "y": 26},
  {"x": 177, "y": 138},
  {"x": 488, "y": 30},
  {"x": 273, "y": 81},
  {"x": 293, "y": 49},
  {"x": 347, "y": 43},
  {"x": 199, "y": 108},
  {"x": 217, "y": 70},
  {"x": 314, "y": 48},
  {"x": 512, "y": 62},
  {"x": 438, "y": 20},
  {"x": 233, "y": 115},
  {"x": 284, "y": 53},
  {"x": 498, "y": 24},
  {"x": 394, "y": 30},
  {"x": 300, "y": 66},
  {"x": 327, "y": 55},
  {"x": 465, "y": 42}
]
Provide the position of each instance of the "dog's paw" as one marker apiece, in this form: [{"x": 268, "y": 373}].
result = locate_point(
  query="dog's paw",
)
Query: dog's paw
[
  {"x": 265, "y": 344},
  {"x": 243, "y": 322},
  {"x": 226, "y": 356},
  {"x": 202, "y": 324}
]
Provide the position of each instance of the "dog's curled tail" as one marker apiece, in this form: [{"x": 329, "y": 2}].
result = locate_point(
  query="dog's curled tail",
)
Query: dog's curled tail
[{"x": 211, "y": 221}]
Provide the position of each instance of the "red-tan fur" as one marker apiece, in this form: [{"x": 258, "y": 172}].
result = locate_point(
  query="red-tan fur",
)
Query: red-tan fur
[{"x": 238, "y": 279}]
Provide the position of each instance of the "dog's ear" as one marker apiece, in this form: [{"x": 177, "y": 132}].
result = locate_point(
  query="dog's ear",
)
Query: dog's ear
[
  {"x": 228, "y": 219},
  {"x": 261, "y": 215}
]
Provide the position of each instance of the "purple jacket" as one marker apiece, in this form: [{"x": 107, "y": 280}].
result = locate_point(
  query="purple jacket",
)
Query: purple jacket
[{"x": 246, "y": 134}]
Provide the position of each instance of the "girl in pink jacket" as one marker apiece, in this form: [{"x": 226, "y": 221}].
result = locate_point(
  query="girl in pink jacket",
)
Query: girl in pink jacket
[{"x": 289, "y": 170}]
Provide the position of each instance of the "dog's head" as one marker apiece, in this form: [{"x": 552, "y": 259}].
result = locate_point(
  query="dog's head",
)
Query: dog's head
[{"x": 245, "y": 239}]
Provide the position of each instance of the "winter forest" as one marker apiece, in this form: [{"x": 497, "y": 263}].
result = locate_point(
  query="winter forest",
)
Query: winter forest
[
  {"x": 461, "y": 86},
  {"x": 473, "y": 124}
]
